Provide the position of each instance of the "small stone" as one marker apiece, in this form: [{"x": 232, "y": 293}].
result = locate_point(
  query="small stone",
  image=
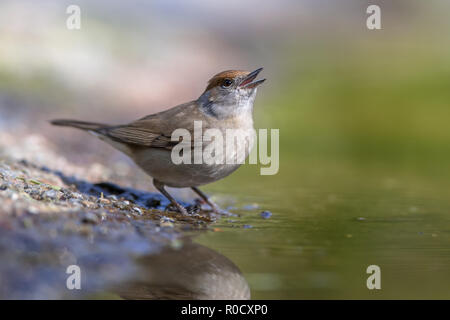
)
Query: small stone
[
  {"x": 266, "y": 214},
  {"x": 138, "y": 210},
  {"x": 51, "y": 194},
  {"x": 166, "y": 222},
  {"x": 164, "y": 218},
  {"x": 90, "y": 217},
  {"x": 104, "y": 201},
  {"x": 247, "y": 226},
  {"x": 77, "y": 195},
  {"x": 75, "y": 202},
  {"x": 88, "y": 204},
  {"x": 120, "y": 205}
]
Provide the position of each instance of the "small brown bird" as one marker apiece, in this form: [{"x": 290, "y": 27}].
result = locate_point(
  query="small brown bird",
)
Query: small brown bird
[{"x": 227, "y": 103}]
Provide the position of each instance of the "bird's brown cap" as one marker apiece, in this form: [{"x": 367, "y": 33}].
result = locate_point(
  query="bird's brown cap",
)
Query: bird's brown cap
[{"x": 218, "y": 79}]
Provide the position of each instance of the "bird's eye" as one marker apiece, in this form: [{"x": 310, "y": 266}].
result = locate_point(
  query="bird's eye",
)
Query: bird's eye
[{"x": 227, "y": 83}]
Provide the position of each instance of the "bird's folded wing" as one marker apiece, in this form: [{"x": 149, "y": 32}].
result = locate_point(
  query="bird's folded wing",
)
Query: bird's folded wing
[
  {"x": 139, "y": 136},
  {"x": 155, "y": 130}
]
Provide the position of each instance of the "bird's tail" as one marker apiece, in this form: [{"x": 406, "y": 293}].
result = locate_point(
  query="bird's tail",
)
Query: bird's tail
[
  {"x": 83, "y": 125},
  {"x": 99, "y": 130}
]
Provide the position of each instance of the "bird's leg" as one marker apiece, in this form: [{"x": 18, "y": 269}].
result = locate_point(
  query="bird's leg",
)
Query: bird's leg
[
  {"x": 160, "y": 186},
  {"x": 205, "y": 198}
]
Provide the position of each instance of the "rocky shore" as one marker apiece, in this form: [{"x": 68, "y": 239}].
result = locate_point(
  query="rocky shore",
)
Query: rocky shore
[{"x": 50, "y": 219}]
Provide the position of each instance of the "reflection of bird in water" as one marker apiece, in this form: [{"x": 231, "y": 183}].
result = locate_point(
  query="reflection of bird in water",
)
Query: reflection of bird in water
[{"x": 192, "y": 272}]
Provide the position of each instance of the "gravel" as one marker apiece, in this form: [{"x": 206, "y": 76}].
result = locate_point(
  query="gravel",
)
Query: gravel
[{"x": 49, "y": 220}]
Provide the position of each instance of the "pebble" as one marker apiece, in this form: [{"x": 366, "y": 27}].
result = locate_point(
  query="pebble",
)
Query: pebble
[
  {"x": 166, "y": 224},
  {"x": 104, "y": 201},
  {"x": 247, "y": 226},
  {"x": 266, "y": 214},
  {"x": 164, "y": 218},
  {"x": 75, "y": 202},
  {"x": 90, "y": 217},
  {"x": 88, "y": 204},
  {"x": 51, "y": 194}
]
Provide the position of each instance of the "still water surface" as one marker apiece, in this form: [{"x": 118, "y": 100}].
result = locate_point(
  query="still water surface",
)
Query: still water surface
[{"x": 330, "y": 222}]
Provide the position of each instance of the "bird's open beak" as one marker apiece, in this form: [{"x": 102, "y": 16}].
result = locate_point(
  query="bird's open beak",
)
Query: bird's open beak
[{"x": 247, "y": 81}]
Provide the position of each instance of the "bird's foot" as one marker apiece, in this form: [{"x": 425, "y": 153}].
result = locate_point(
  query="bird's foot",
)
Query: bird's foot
[
  {"x": 193, "y": 209},
  {"x": 214, "y": 208},
  {"x": 177, "y": 208}
]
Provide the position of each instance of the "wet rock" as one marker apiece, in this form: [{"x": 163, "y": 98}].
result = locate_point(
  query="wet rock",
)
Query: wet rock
[
  {"x": 50, "y": 219},
  {"x": 75, "y": 202},
  {"x": 166, "y": 222},
  {"x": 112, "y": 197},
  {"x": 90, "y": 217},
  {"x": 50, "y": 194},
  {"x": 88, "y": 204},
  {"x": 76, "y": 195},
  {"x": 266, "y": 214}
]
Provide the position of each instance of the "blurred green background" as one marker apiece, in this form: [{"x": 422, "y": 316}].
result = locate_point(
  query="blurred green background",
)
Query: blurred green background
[{"x": 363, "y": 118}]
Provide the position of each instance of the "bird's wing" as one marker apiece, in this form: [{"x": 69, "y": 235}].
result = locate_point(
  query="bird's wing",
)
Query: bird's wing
[
  {"x": 155, "y": 130},
  {"x": 138, "y": 137}
]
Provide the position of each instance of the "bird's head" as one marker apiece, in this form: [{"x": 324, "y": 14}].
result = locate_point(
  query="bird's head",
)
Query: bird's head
[{"x": 230, "y": 93}]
